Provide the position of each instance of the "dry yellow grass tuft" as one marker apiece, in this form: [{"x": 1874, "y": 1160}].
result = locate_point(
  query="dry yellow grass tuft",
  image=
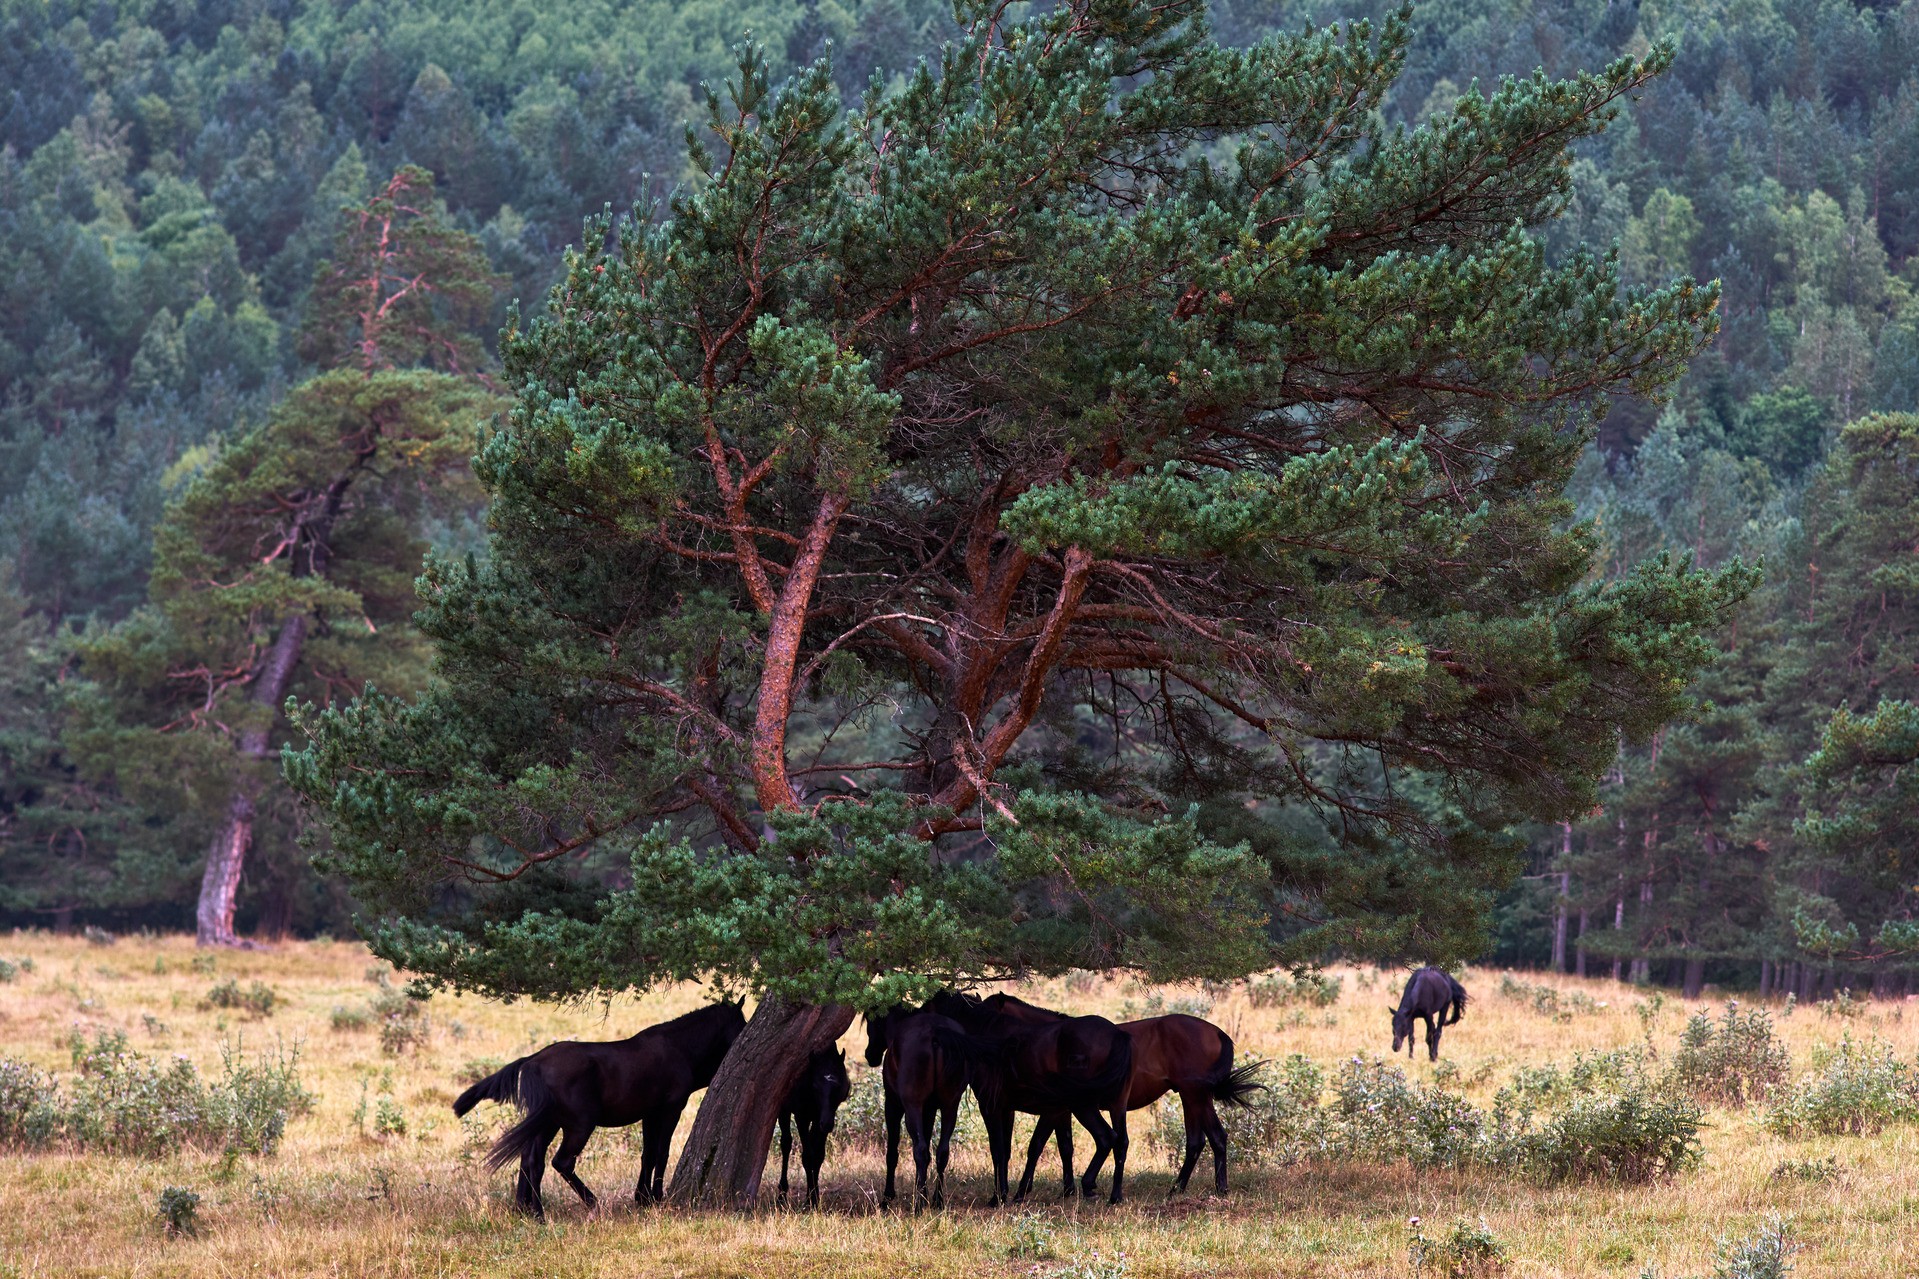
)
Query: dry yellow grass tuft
[{"x": 344, "y": 1197}]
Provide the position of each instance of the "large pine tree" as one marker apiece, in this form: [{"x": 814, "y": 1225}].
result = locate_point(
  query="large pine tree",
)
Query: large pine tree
[{"x": 1099, "y": 504}]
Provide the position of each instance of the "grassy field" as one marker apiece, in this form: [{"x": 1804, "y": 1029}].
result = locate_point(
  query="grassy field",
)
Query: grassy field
[{"x": 340, "y": 1198}]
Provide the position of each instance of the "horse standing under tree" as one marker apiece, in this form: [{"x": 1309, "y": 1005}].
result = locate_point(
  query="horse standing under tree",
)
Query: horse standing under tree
[
  {"x": 923, "y": 1072},
  {"x": 572, "y": 1088},
  {"x": 1180, "y": 1054},
  {"x": 1430, "y": 993},
  {"x": 1028, "y": 1059},
  {"x": 811, "y": 1106}
]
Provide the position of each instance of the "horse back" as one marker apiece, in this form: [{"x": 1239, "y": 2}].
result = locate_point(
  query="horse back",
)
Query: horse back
[{"x": 1175, "y": 1051}]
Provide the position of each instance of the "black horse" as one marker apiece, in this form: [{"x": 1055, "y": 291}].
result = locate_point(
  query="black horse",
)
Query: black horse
[
  {"x": 814, "y": 1100},
  {"x": 1429, "y": 994},
  {"x": 1028, "y": 1059},
  {"x": 574, "y": 1087},
  {"x": 924, "y": 1072}
]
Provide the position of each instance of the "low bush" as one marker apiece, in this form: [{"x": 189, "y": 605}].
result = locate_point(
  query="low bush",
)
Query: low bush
[
  {"x": 1765, "y": 1254},
  {"x": 1275, "y": 991},
  {"x": 257, "y": 999},
  {"x": 474, "y": 1069},
  {"x": 30, "y": 1114},
  {"x": 345, "y": 1018},
  {"x": 125, "y": 1103},
  {"x": 1810, "y": 1170},
  {"x": 179, "y": 1212},
  {"x": 8, "y": 971},
  {"x": 1637, "y": 1134},
  {"x": 1549, "y": 1001},
  {"x": 1735, "y": 1061},
  {"x": 1855, "y": 1088},
  {"x": 1377, "y": 1114},
  {"x": 1467, "y": 1250}
]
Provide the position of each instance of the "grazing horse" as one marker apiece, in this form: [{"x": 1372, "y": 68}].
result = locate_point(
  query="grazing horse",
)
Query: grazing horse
[
  {"x": 573, "y": 1088},
  {"x": 1178, "y": 1054},
  {"x": 924, "y": 1072},
  {"x": 812, "y": 1103},
  {"x": 1045, "y": 1063},
  {"x": 1429, "y": 994}
]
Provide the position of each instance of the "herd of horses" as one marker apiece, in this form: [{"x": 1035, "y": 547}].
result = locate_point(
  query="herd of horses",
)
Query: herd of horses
[{"x": 1016, "y": 1057}]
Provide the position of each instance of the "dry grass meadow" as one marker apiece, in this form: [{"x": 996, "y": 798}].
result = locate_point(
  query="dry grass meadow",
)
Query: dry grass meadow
[{"x": 340, "y": 1200}]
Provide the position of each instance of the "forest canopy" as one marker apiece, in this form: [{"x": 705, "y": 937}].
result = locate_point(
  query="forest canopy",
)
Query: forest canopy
[{"x": 173, "y": 175}]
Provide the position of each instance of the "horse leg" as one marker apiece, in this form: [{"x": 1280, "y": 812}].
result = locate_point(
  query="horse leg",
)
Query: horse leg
[
  {"x": 895, "y": 1110},
  {"x": 999, "y": 1140},
  {"x": 1432, "y": 1039},
  {"x": 665, "y": 1145},
  {"x": 949, "y": 1116},
  {"x": 1042, "y": 1130},
  {"x": 572, "y": 1142},
  {"x": 812, "y": 1155},
  {"x": 1195, "y": 1138},
  {"x": 1215, "y": 1134},
  {"x": 646, "y": 1161},
  {"x": 1102, "y": 1135},
  {"x": 786, "y": 1152},
  {"x": 1119, "y": 1153},
  {"x": 919, "y": 1126},
  {"x": 1432, "y": 1042},
  {"x": 532, "y": 1169}
]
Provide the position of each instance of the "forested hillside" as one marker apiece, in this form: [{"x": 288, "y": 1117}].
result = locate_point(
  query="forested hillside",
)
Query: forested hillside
[{"x": 179, "y": 191}]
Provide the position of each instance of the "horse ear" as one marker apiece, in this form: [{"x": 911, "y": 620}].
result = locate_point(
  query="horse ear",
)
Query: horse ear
[{"x": 1394, "y": 1011}]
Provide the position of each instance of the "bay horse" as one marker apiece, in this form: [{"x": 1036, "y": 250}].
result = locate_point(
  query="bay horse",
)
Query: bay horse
[
  {"x": 1180, "y": 1054},
  {"x": 572, "y": 1088},
  {"x": 1429, "y": 994},
  {"x": 923, "y": 1072},
  {"x": 811, "y": 1105},
  {"x": 1034, "y": 1060}
]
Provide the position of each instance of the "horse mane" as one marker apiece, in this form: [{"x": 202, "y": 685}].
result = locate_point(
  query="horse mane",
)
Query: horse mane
[{"x": 699, "y": 1016}]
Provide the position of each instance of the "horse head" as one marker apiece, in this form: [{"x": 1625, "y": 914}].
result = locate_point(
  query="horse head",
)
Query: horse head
[{"x": 1402, "y": 1028}]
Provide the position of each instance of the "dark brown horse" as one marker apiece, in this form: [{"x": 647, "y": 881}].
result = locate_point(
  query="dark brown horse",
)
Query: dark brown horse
[
  {"x": 1177, "y": 1054},
  {"x": 1034, "y": 1060},
  {"x": 811, "y": 1105},
  {"x": 1430, "y": 994},
  {"x": 573, "y": 1088},
  {"x": 924, "y": 1072}
]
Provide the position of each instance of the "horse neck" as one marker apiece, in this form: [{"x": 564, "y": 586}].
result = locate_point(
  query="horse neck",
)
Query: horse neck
[{"x": 705, "y": 1046}]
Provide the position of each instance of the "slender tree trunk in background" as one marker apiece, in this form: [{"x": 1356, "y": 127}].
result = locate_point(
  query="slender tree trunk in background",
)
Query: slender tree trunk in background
[
  {"x": 63, "y": 920},
  {"x": 226, "y": 858},
  {"x": 1579, "y": 951},
  {"x": 1561, "y": 907},
  {"x": 1695, "y": 978},
  {"x": 725, "y": 1153},
  {"x": 1642, "y": 967},
  {"x": 1765, "y": 978},
  {"x": 1618, "y": 918}
]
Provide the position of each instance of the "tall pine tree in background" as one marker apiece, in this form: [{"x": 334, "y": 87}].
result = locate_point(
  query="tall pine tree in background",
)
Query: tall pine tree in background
[
  {"x": 284, "y": 566},
  {"x": 1096, "y": 376}
]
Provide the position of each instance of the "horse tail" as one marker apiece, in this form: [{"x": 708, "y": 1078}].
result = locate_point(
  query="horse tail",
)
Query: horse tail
[
  {"x": 1459, "y": 998},
  {"x": 535, "y": 1129},
  {"x": 1232, "y": 1087},
  {"x": 503, "y": 1086}
]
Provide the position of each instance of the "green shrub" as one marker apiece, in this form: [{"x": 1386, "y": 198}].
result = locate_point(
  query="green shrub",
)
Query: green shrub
[
  {"x": 8, "y": 971},
  {"x": 257, "y": 999},
  {"x": 1856, "y": 1089},
  {"x": 1275, "y": 991},
  {"x": 388, "y": 1119},
  {"x": 1377, "y": 1114},
  {"x": 1637, "y": 1134},
  {"x": 477, "y": 1068},
  {"x": 179, "y": 1211},
  {"x": 1765, "y": 1254},
  {"x": 30, "y": 1115},
  {"x": 861, "y": 1122},
  {"x": 1549, "y": 1001},
  {"x": 344, "y": 1018},
  {"x": 1030, "y": 1236},
  {"x": 124, "y": 1103},
  {"x": 1465, "y": 1251},
  {"x": 1813, "y": 1170},
  {"x": 1734, "y": 1061}
]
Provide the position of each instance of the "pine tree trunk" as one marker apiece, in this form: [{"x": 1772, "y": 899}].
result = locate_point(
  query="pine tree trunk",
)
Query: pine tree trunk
[
  {"x": 226, "y": 858},
  {"x": 725, "y": 1153},
  {"x": 1579, "y": 950},
  {"x": 1695, "y": 978},
  {"x": 1765, "y": 978}
]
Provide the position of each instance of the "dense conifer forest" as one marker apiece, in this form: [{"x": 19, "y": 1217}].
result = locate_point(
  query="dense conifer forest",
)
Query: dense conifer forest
[{"x": 255, "y": 258}]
